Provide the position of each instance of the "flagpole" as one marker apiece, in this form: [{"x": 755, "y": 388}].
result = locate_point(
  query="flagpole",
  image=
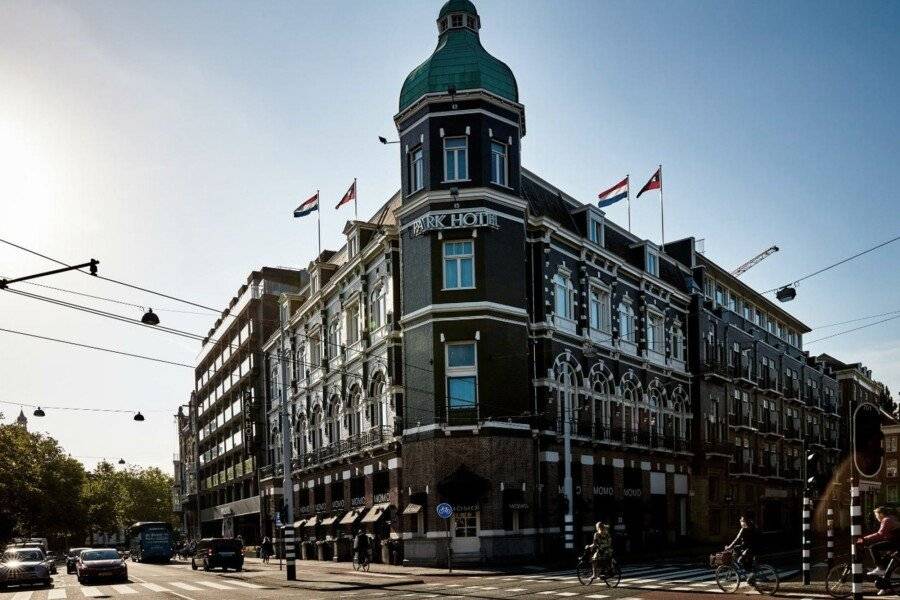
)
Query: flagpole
[
  {"x": 319, "y": 223},
  {"x": 355, "y": 194},
  {"x": 628, "y": 191},
  {"x": 662, "y": 211}
]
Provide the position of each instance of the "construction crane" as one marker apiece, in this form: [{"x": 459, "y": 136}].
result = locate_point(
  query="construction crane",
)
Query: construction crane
[{"x": 754, "y": 261}]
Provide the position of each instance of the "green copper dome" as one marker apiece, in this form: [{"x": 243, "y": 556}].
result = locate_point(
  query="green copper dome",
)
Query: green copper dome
[{"x": 459, "y": 60}]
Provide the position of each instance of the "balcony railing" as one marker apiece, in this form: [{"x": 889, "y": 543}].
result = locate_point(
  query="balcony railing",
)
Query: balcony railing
[
  {"x": 740, "y": 419},
  {"x": 651, "y": 439},
  {"x": 355, "y": 443}
]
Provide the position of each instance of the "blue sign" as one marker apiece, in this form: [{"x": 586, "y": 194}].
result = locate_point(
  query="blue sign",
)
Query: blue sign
[{"x": 444, "y": 510}]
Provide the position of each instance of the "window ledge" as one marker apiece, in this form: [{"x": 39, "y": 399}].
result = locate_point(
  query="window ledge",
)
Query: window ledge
[
  {"x": 627, "y": 346},
  {"x": 455, "y": 289},
  {"x": 456, "y": 181},
  {"x": 565, "y": 323}
]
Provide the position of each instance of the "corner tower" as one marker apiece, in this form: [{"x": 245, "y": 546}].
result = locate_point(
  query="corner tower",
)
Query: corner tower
[{"x": 463, "y": 275}]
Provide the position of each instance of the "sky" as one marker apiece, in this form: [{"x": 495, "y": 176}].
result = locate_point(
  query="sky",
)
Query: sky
[{"x": 172, "y": 140}]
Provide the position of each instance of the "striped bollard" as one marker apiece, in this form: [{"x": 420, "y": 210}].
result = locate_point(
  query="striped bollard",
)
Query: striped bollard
[
  {"x": 290, "y": 559},
  {"x": 807, "y": 513},
  {"x": 855, "y": 533},
  {"x": 830, "y": 538}
]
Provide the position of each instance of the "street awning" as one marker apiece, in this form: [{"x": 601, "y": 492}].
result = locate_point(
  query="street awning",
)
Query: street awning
[
  {"x": 330, "y": 520},
  {"x": 412, "y": 509},
  {"x": 353, "y": 516},
  {"x": 312, "y": 521},
  {"x": 376, "y": 512},
  {"x": 299, "y": 524}
]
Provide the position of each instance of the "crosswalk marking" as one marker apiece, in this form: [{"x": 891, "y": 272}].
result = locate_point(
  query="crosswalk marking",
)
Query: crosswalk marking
[
  {"x": 21, "y": 596},
  {"x": 515, "y": 590},
  {"x": 597, "y": 596},
  {"x": 154, "y": 588},
  {"x": 56, "y": 594},
  {"x": 123, "y": 589},
  {"x": 185, "y": 586},
  {"x": 215, "y": 586},
  {"x": 247, "y": 584}
]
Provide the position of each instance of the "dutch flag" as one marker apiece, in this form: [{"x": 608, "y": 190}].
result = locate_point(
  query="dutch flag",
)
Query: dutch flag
[
  {"x": 614, "y": 194},
  {"x": 308, "y": 206}
]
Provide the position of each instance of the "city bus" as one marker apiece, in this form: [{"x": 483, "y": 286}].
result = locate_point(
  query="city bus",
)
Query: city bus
[{"x": 150, "y": 541}]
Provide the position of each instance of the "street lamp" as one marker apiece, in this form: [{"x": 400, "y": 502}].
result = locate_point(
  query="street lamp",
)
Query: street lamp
[
  {"x": 150, "y": 318},
  {"x": 386, "y": 141},
  {"x": 121, "y": 461},
  {"x": 139, "y": 416},
  {"x": 39, "y": 412}
]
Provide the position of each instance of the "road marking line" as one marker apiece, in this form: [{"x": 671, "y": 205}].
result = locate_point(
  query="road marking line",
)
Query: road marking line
[
  {"x": 214, "y": 585},
  {"x": 247, "y": 584},
  {"x": 21, "y": 596},
  {"x": 515, "y": 590},
  {"x": 598, "y": 596},
  {"x": 185, "y": 586},
  {"x": 56, "y": 594},
  {"x": 124, "y": 589},
  {"x": 154, "y": 588},
  {"x": 90, "y": 592}
]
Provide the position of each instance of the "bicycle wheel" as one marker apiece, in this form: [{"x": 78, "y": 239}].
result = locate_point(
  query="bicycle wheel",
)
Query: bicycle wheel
[
  {"x": 585, "y": 571},
  {"x": 613, "y": 575},
  {"x": 728, "y": 579},
  {"x": 356, "y": 563},
  {"x": 365, "y": 565},
  {"x": 765, "y": 580},
  {"x": 839, "y": 581}
]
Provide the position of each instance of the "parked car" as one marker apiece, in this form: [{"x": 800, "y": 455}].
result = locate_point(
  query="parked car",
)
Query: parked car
[
  {"x": 224, "y": 553},
  {"x": 50, "y": 559},
  {"x": 24, "y": 566},
  {"x": 71, "y": 558},
  {"x": 100, "y": 563}
]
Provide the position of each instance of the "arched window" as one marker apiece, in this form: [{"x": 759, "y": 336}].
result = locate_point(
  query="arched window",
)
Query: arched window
[
  {"x": 334, "y": 338},
  {"x": 377, "y": 307},
  {"x": 353, "y": 413},
  {"x": 676, "y": 340},
  {"x": 626, "y": 322},
  {"x": 652, "y": 422},
  {"x": 606, "y": 404},
  {"x": 333, "y": 421},
  {"x": 274, "y": 447},
  {"x": 632, "y": 395},
  {"x": 376, "y": 411},
  {"x": 315, "y": 429},
  {"x": 299, "y": 438}
]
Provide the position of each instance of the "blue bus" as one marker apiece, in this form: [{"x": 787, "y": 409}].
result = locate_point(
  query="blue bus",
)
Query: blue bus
[{"x": 150, "y": 541}]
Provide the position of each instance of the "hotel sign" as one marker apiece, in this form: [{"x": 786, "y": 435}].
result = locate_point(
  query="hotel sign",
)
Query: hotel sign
[{"x": 454, "y": 220}]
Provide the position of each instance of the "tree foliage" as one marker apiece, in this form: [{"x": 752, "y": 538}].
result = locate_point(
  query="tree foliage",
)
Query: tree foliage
[{"x": 45, "y": 492}]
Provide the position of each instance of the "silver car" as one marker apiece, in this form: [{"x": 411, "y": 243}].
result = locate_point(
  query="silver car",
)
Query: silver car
[{"x": 24, "y": 566}]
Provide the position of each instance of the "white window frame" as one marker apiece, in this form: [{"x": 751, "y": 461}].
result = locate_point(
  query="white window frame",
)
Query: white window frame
[
  {"x": 460, "y": 372},
  {"x": 456, "y": 152},
  {"x": 377, "y": 307},
  {"x": 416, "y": 169},
  {"x": 602, "y": 298},
  {"x": 564, "y": 291},
  {"x": 656, "y": 340},
  {"x": 458, "y": 259},
  {"x": 595, "y": 236},
  {"x": 627, "y": 334},
  {"x": 652, "y": 263},
  {"x": 504, "y": 157},
  {"x": 352, "y": 324}
]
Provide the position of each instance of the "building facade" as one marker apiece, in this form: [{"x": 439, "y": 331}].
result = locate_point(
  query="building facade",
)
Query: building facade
[{"x": 221, "y": 432}]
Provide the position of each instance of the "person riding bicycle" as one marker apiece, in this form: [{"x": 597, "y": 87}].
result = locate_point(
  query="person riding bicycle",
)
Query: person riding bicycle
[
  {"x": 745, "y": 543},
  {"x": 883, "y": 541},
  {"x": 601, "y": 546},
  {"x": 361, "y": 546}
]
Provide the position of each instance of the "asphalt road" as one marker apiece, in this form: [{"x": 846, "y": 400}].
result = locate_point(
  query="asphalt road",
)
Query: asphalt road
[{"x": 323, "y": 581}]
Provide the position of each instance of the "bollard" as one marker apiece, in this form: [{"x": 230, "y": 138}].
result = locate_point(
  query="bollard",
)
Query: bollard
[
  {"x": 830, "y": 538},
  {"x": 807, "y": 534},
  {"x": 855, "y": 533}
]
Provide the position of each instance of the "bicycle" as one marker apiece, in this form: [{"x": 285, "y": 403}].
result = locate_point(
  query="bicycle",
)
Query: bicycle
[
  {"x": 364, "y": 565},
  {"x": 730, "y": 573},
  {"x": 611, "y": 575},
  {"x": 839, "y": 581}
]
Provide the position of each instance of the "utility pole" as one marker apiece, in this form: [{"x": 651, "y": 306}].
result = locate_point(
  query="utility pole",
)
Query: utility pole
[{"x": 287, "y": 484}]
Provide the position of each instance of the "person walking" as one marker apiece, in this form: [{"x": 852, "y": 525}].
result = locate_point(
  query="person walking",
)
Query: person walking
[{"x": 267, "y": 549}]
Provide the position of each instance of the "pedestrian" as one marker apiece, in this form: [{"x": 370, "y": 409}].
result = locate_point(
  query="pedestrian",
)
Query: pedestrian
[
  {"x": 267, "y": 549},
  {"x": 239, "y": 540}
]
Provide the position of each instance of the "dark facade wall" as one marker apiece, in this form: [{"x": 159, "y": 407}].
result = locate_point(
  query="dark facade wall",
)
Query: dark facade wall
[{"x": 420, "y": 406}]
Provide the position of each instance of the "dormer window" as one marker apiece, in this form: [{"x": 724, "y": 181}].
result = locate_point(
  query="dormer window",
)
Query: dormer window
[
  {"x": 456, "y": 20},
  {"x": 471, "y": 22},
  {"x": 353, "y": 246},
  {"x": 595, "y": 230},
  {"x": 442, "y": 25},
  {"x": 653, "y": 263}
]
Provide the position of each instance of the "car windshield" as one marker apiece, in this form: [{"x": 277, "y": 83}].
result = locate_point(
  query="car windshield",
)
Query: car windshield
[
  {"x": 99, "y": 555},
  {"x": 23, "y": 555},
  {"x": 77, "y": 551}
]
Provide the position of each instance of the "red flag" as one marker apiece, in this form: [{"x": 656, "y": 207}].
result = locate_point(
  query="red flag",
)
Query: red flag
[
  {"x": 350, "y": 195},
  {"x": 655, "y": 183}
]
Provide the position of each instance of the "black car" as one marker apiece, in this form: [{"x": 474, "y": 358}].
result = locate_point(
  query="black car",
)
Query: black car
[
  {"x": 213, "y": 553},
  {"x": 100, "y": 563},
  {"x": 71, "y": 557}
]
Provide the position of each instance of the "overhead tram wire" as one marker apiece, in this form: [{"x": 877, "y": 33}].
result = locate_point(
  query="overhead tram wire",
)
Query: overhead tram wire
[
  {"x": 116, "y": 281},
  {"x": 840, "y": 262},
  {"x": 828, "y": 337},
  {"x": 114, "y": 300},
  {"x": 92, "y": 347},
  {"x": 83, "y": 409},
  {"x": 884, "y": 314}
]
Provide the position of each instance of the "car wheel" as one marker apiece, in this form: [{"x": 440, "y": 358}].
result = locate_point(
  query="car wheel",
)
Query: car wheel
[
  {"x": 205, "y": 566},
  {"x": 193, "y": 565},
  {"x": 80, "y": 579}
]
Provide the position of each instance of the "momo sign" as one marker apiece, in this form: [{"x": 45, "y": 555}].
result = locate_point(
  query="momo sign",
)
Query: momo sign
[{"x": 454, "y": 220}]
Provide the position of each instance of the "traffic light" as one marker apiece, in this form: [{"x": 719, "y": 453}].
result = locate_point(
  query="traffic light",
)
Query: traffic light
[
  {"x": 868, "y": 446},
  {"x": 817, "y": 473}
]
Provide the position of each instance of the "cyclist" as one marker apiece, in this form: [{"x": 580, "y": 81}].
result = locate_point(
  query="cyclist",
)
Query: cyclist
[
  {"x": 602, "y": 548},
  {"x": 361, "y": 546},
  {"x": 745, "y": 545},
  {"x": 886, "y": 539}
]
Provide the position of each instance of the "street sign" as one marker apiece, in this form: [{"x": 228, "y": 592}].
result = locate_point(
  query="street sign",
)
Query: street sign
[
  {"x": 277, "y": 519},
  {"x": 868, "y": 448},
  {"x": 444, "y": 510}
]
